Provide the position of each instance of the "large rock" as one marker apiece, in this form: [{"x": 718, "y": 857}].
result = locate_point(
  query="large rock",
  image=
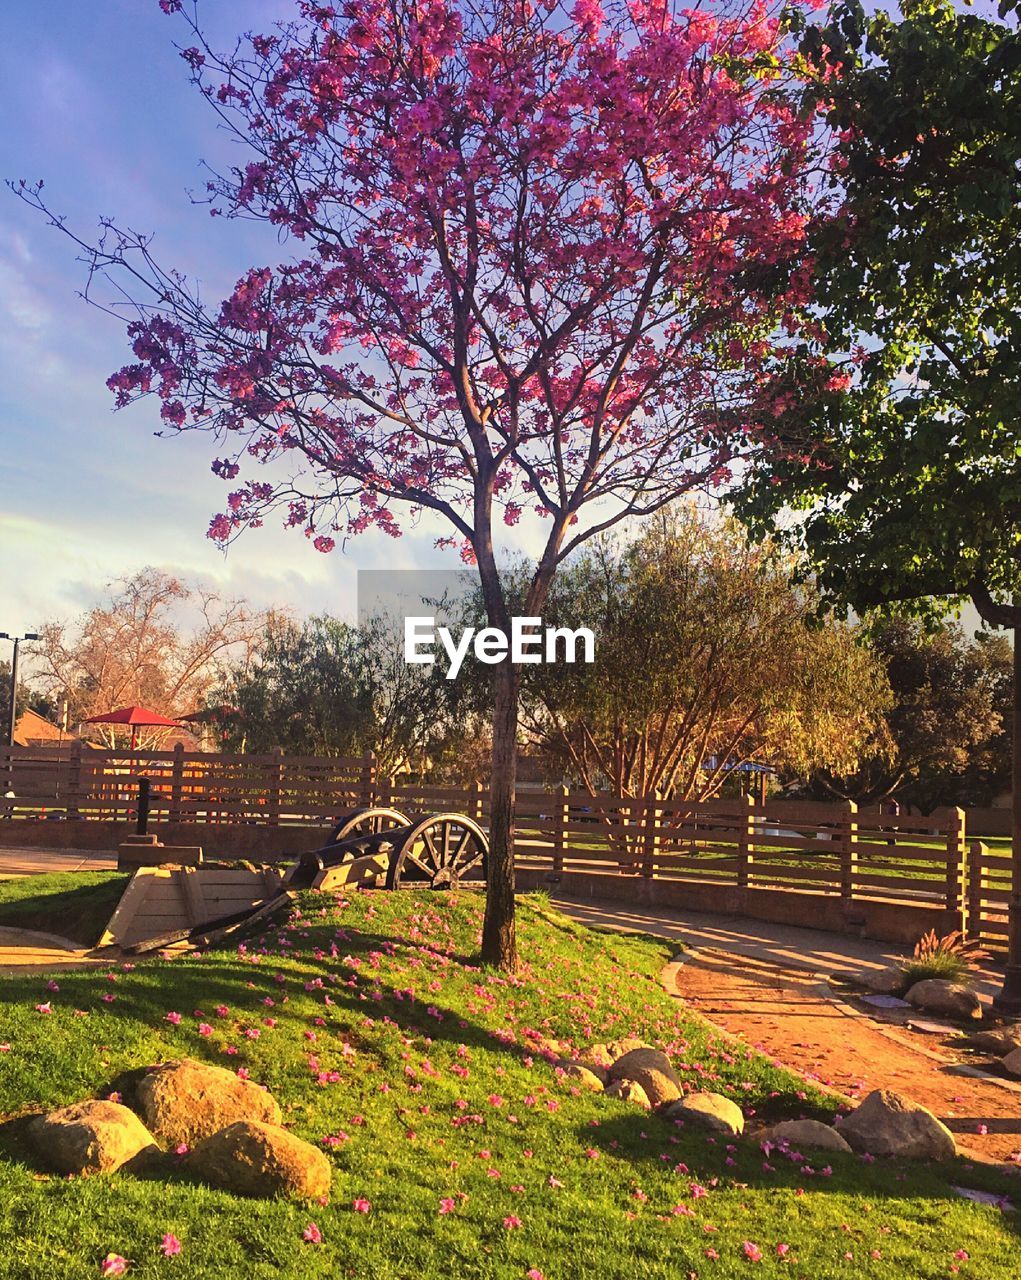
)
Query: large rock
[
  {"x": 887, "y": 1124},
  {"x": 997, "y": 1040},
  {"x": 810, "y": 1134},
  {"x": 710, "y": 1111},
  {"x": 588, "y": 1077},
  {"x": 185, "y": 1101},
  {"x": 265, "y": 1160},
  {"x": 1012, "y": 1062},
  {"x": 652, "y": 1070},
  {"x": 629, "y": 1091},
  {"x": 884, "y": 982},
  {"x": 937, "y": 995},
  {"x": 90, "y": 1137}
]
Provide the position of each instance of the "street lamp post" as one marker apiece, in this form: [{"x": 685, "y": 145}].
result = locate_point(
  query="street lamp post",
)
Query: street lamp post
[{"x": 12, "y": 717}]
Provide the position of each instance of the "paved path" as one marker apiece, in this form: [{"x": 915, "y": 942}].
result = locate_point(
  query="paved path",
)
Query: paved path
[
  {"x": 784, "y": 946},
  {"x": 27, "y": 862},
  {"x": 23, "y": 951}
]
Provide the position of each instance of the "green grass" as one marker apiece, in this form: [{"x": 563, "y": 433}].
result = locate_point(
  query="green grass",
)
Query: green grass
[
  {"x": 72, "y": 904},
  {"x": 428, "y": 1091}
]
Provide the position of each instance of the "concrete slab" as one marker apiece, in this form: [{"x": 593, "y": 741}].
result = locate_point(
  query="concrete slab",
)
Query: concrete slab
[
  {"x": 784, "y": 946},
  {"x": 24, "y": 952},
  {"x": 28, "y": 862}
]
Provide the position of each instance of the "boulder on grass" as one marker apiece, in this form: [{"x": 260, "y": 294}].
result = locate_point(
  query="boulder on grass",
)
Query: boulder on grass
[
  {"x": 887, "y": 1124},
  {"x": 618, "y": 1048},
  {"x": 263, "y": 1160},
  {"x": 653, "y": 1071},
  {"x": 937, "y": 995},
  {"x": 810, "y": 1134},
  {"x": 884, "y": 982},
  {"x": 589, "y": 1077},
  {"x": 185, "y": 1101},
  {"x": 710, "y": 1111},
  {"x": 597, "y": 1055},
  {"x": 629, "y": 1091},
  {"x": 90, "y": 1137}
]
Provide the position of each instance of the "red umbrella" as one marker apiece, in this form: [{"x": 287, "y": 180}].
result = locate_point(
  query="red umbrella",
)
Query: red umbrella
[{"x": 136, "y": 717}]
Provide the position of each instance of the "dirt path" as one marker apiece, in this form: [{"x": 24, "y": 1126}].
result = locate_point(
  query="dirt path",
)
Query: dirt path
[{"x": 787, "y": 1015}]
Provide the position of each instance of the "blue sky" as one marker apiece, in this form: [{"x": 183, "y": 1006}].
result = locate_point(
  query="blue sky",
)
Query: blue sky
[{"x": 95, "y": 100}]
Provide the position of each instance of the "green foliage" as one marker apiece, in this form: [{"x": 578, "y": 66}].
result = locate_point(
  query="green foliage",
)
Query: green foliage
[
  {"x": 430, "y": 1092},
  {"x": 328, "y": 688},
  {"x": 898, "y": 428},
  {"x": 944, "y": 739},
  {"x": 707, "y": 656},
  {"x": 950, "y": 957}
]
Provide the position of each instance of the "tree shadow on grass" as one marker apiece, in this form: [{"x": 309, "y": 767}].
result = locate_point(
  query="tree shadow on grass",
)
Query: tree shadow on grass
[{"x": 645, "y": 1139}]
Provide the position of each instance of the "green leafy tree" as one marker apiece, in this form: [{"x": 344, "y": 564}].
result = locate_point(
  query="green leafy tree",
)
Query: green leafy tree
[
  {"x": 897, "y": 429},
  {"x": 946, "y": 715},
  {"x": 328, "y": 688},
  {"x": 707, "y": 657}
]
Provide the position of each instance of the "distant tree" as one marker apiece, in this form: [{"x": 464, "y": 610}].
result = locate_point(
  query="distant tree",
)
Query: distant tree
[
  {"x": 155, "y": 641},
  {"x": 328, "y": 688},
  {"x": 948, "y": 701},
  {"x": 707, "y": 657}
]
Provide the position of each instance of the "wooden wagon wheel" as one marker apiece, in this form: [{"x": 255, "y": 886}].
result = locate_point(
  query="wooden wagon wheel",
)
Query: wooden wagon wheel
[
  {"x": 441, "y": 852},
  {"x": 367, "y": 822}
]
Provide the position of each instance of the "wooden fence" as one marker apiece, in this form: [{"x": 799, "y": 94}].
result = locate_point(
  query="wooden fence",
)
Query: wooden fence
[{"x": 833, "y": 851}]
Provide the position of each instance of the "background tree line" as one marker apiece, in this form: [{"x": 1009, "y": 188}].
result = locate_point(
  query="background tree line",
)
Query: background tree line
[{"x": 713, "y": 654}]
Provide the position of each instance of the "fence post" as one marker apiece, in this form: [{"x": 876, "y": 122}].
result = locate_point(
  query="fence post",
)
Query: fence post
[
  {"x": 561, "y": 817},
  {"x": 848, "y": 852},
  {"x": 976, "y": 857},
  {"x": 957, "y": 853},
  {"x": 7, "y": 782},
  {"x": 384, "y": 792},
  {"x": 745, "y": 842},
  {"x": 74, "y": 781},
  {"x": 477, "y": 806},
  {"x": 368, "y": 779},
  {"x": 650, "y": 839},
  {"x": 275, "y": 787},
  {"x": 176, "y": 783}
]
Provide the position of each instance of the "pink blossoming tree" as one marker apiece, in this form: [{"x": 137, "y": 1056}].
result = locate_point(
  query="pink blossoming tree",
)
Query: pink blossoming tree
[{"x": 540, "y": 254}]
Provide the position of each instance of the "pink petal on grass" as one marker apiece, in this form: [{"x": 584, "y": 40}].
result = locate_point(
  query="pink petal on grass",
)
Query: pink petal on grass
[
  {"x": 113, "y": 1265},
  {"x": 170, "y": 1246},
  {"x": 312, "y": 1234}
]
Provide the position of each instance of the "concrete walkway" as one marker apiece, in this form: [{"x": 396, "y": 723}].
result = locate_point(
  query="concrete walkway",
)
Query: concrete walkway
[
  {"x": 29, "y": 862},
  {"x": 783, "y": 946}
]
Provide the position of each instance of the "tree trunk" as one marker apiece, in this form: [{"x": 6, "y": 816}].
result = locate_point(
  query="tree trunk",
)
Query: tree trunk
[{"x": 499, "y": 937}]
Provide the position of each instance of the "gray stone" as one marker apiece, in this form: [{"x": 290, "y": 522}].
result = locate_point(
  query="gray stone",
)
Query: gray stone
[
  {"x": 629, "y": 1091},
  {"x": 262, "y": 1160},
  {"x": 710, "y": 1111},
  {"x": 185, "y": 1101},
  {"x": 90, "y": 1137},
  {"x": 804, "y": 1133},
  {"x": 652, "y": 1069},
  {"x": 885, "y": 982},
  {"x": 1012, "y": 1062},
  {"x": 997, "y": 1040},
  {"x": 887, "y": 1124},
  {"x": 953, "y": 999},
  {"x": 588, "y": 1077}
]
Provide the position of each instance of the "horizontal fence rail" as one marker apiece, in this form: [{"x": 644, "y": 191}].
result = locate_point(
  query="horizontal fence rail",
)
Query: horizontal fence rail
[{"x": 836, "y": 852}]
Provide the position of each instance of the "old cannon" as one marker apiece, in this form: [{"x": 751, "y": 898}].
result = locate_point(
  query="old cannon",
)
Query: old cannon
[{"x": 385, "y": 846}]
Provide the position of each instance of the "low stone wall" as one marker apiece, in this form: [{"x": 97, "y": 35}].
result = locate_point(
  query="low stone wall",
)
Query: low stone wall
[{"x": 866, "y": 918}]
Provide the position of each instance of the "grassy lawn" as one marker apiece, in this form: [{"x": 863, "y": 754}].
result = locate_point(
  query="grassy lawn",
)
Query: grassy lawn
[
  {"x": 386, "y": 1044},
  {"x": 73, "y": 904}
]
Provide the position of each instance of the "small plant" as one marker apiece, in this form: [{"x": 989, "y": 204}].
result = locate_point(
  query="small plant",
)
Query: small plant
[{"x": 951, "y": 957}]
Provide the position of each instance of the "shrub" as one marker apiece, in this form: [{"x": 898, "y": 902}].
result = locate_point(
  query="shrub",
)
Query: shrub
[{"x": 951, "y": 957}]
